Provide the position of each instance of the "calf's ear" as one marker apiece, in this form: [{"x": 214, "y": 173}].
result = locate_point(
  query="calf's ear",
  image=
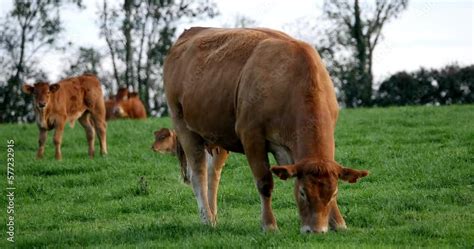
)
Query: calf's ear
[
  {"x": 27, "y": 88},
  {"x": 284, "y": 172},
  {"x": 53, "y": 88}
]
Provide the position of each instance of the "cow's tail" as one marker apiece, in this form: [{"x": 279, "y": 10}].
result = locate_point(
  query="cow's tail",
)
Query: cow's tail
[{"x": 182, "y": 162}]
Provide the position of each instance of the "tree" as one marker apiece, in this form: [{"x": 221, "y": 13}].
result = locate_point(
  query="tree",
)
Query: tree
[
  {"x": 449, "y": 85},
  {"x": 85, "y": 60},
  {"x": 88, "y": 60},
  {"x": 348, "y": 44},
  {"x": 30, "y": 28},
  {"x": 417, "y": 88},
  {"x": 455, "y": 84},
  {"x": 147, "y": 28}
]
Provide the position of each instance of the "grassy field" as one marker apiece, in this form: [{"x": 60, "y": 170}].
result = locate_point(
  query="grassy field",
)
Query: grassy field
[{"x": 419, "y": 194}]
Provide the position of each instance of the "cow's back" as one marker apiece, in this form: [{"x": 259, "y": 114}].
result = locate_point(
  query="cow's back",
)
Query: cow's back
[
  {"x": 223, "y": 81},
  {"x": 202, "y": 74},
  {"x": 77, "y": 94}
]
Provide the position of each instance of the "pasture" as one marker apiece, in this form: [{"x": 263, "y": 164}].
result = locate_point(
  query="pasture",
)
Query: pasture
[{"x": 419, "y": 192}]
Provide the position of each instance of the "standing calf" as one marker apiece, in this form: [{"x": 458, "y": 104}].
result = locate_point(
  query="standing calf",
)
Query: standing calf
[{"x": 70, "y": 99}]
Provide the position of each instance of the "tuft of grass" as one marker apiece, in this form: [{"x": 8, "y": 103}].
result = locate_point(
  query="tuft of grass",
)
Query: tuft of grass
[{"x": 419, "y": 192}]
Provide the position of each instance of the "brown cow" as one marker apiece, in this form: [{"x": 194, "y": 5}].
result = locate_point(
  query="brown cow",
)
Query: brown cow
[
  {"x": 129, "y": 105},
  {"x": 166, "y": 141},
  {"x": 70, "y": 99},
  {"x": 255, "y": 91}
]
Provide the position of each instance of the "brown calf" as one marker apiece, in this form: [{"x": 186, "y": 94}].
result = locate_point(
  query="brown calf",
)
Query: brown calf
[
  {"x": 166, "y": 141},
  {"x": 129, "y": 105},
  {"x": 66, "y": 101}
]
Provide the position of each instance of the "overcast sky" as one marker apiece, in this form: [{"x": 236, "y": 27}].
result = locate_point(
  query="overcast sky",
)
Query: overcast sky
[{"x": 428, "y": 33}]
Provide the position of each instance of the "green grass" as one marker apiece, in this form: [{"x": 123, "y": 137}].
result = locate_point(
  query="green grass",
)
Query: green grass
[{"x": 419, "y": 193}]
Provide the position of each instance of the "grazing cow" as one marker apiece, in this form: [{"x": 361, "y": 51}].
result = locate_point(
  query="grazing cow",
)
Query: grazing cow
[
  {"x": 166, "y": 141},
  {"x": 70, "y": 99},
  {"x": 256, "y": 91},
  {"x": 129, "y": 105}
]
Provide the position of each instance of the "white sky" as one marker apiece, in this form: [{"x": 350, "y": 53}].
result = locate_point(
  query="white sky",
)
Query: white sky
[{"x": 428, "y": 33}]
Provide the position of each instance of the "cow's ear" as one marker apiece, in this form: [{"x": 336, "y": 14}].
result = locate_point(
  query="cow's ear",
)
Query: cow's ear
[
  {"x": 27, "y": 88},
  {"x": 351, "y": 175},
  {"x": 285, "y": 171},
  {"x": 53, "y": 88}
]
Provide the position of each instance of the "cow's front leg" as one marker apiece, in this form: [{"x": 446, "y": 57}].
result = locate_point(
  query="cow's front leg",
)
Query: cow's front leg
[
  {"x": 255, "y": 150},
  {"x": 216, "y": 162},
  {"x": 57, "y": 139},
  {"x": 43, "y": 134},
  {"x": 336, "y": 221},
  {"x": 193, "y": 147}
]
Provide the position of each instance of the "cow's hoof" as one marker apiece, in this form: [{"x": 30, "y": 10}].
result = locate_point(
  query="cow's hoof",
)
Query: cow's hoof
[
  {"x": 339, "y": 227},
  {"x": 270, "y": 228}
]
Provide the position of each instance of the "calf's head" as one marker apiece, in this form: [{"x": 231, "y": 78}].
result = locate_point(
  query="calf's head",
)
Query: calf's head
[
  {"x": 165, "y": 141},
  {"x": 42, "y": 93},
  {"x": 316, "y": 190}
]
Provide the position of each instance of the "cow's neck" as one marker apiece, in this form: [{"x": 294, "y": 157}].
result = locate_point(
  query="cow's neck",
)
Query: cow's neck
[{"x": 314, "y": 138}]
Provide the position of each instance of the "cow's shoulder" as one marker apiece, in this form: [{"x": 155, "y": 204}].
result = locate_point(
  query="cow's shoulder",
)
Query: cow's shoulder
[{"x": 188, "y": 33}]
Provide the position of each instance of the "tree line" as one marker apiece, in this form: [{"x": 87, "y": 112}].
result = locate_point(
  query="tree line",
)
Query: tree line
[{"x": 139, "y": 33}]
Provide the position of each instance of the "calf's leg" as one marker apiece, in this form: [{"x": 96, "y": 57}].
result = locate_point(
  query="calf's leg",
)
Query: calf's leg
[
  {"x": 98, "y": 116},
  {"x": 43, "y": 134},
  {"x": 57, "y": 139},
  {"x": 84, "y": 120}
]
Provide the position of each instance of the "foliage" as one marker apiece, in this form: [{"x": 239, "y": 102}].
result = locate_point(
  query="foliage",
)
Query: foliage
[
  {"x": 449, "y": 85},
  {"x": 418, "y": 193},
  {"x": 147, "y": 30},
  {"x": 29, "y": 29},
  {"x": 89, "y": 60},
  {"x": 348, "y": 43}
]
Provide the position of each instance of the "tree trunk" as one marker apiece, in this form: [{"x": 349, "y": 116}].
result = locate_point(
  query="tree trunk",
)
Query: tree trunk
[{"x": 127, "y": 29}]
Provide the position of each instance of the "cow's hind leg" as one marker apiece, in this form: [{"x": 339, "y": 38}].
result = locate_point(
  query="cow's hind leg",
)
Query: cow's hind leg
[
  {"x": 215, "y": 161},
  {"x": 98, "y": 118},
  {"x": 193, "y": 147},
  {"x": 85, "y": 121},
  {"x": 256, "y": 153}
]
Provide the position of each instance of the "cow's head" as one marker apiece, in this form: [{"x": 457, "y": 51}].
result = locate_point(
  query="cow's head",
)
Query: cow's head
[
  {"x": 42, "y": 93},
  {"x": 165, "y": 141},
  {"x": 316, "y": 190}
]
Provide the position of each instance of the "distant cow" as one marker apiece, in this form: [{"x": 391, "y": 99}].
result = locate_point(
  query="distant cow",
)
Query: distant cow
[
  {"x": 166, "y": 141},
  {"x": 256, "y": 91},
  {"x": 70, "y": 99},
  {"x": 129, "y": 105}
]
